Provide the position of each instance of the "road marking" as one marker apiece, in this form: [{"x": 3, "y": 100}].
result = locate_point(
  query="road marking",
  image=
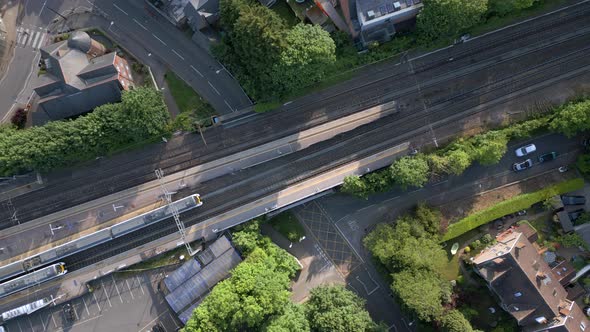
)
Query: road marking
[
  {"x": 117, "y": 288},
  {"x": 161, "y": 41},
  {"x": 141, "y": 25},
  {"x": 42, "y": 322},
  {"x": 53, "y": 319},
  {"x": 225, "y": 101},
  {"x": 41, "y": 41},
  {"x": 119, "y": 8},
  {"x": 95, "y": 300},
  {"x": 85, "y": 306},
  {"x": 20, "y": 328},
  {"x": 105, "y": 293},
  {"x": 30, "y": 324},
  {"x": 180, "y": 56},
  {"x": 130, "y": 292},
  {"x": 34, "y": 40},
  {"x": 140, "y": 287},
  {"x": 198, "y": 72},
  {"x": 214, "y": 88},
  {"x": 76, "y": 312}
]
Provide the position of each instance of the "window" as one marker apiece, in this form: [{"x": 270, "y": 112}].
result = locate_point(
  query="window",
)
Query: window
[
  {"x": 517, "y": 294},
  {"x": 554, "y": 292},
  {"x": 541, "y": 320}
]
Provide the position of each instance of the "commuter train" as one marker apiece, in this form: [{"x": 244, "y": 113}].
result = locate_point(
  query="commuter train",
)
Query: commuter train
[
  {"x": 32, "y": 279},
  {"x": 104, "y": 235}
]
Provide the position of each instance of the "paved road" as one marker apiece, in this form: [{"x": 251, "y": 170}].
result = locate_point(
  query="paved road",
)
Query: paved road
[{"x": 134, "y": 19}]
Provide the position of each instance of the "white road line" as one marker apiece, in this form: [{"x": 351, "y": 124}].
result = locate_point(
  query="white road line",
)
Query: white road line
[
  {"x": 96, "y": 301},
  {"x": 37, "y": 35},
  {"x": 27, "y": 35},
  {"x": 180, "y": 56},
  {"x": 130, "y": 292},
  {"x": 119, "y": 8},
  {"x": 106, "y": 295},
  {"x": 117, "y": 288},
  {"x": 198, "y": 72},
  {"x": 85, "y": 306},
  {"x": 20, "y": 328},
  {"x": 141, "y": 25},
  {"x": 160, "y": 40},
  {"x": 140, "y": 287},
  {"x": 53, "y": 319},
  {"x": 214, "y": 88},
  {"x": 76, "y": 312},
  {"x": 173, "y": 320},
  {"x": 225, "y": 101},
  {"x": 41, "y": 41},
  {"x": 42, "y": 322},
  {"x": 30, "y": 324}
]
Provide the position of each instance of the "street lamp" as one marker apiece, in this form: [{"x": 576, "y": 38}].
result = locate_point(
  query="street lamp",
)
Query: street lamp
[
  {"x": 111, "y": 25},
  {"x": 52, "y": 229}
]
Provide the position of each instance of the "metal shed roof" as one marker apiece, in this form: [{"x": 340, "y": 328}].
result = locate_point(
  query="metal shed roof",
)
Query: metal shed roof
[
  {"x": 182, "y": 274},
  {"x": 199, "y": 284},
  {"x": 566, "y": 222}
]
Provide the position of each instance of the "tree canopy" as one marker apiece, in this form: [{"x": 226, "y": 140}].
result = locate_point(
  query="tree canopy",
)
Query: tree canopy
[
  {"x": 572, "y": 118},
  {"x": 268, "y": 58},
  {"x": 336, "y": 309},
  {"x": 410, "y": 171},
  {"x": 141, "y": 114},
  {"x": 455, "y": 321},
  {"x": 442, "y": 18}
]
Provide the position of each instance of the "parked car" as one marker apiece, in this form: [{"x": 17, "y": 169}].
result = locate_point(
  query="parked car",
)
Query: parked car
[
  {"x": 575, "y": 214},
  {"x": 69, "y": 313},
  {"x": 522, "y": 165},
  {"x": 547, "y": 157},
  {"x": 158, "y": 328},
  {"x": 587, "y": 311},
  {"x": 524, "y": 150},
  {"x": 573, "y": 200}
]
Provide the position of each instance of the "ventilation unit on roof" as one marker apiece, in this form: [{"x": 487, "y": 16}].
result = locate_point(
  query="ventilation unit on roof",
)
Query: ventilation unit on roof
[
  {"x": 541, "y": 320},
  {"x": 370, "y": 14}
]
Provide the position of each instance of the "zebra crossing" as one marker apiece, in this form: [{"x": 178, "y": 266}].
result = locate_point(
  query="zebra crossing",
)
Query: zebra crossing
[{"x": 30, "y": 37}]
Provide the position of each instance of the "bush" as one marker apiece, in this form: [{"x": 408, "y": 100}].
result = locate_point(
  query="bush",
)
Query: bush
[
  {"x": 288, "y": 225},
  {"x": 583, "y": 164},
  {"x": 467, "y": 250},
  {"x": 512, "y": 205},
  {"x": 19, "y": 118}
]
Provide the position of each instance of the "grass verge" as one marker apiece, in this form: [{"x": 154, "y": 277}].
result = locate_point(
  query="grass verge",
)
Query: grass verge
[
  {"x": 512, "y": 205},
  {"x": 192, "y": 106},
  {"x": 164, "y": 259},
  {"x": 288, "y": 226}
]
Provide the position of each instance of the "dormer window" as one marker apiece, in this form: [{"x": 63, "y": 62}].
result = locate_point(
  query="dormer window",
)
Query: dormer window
[
  {"x": 517, "y": 294},
  {"x": 541, "y": 320}
]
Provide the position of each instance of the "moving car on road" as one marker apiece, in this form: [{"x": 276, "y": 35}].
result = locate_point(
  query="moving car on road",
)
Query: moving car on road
[
  {"x": 524, "y": 150},
  {"x": 547, "y": 157},
  {"x": 522, "y": 165}
]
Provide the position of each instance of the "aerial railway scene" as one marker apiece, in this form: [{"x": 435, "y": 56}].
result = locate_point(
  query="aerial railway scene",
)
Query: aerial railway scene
[{"x": 368, "y": 165}]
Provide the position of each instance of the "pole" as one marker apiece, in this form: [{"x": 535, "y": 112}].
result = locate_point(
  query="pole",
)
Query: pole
[{"x": 65, "y": 18}]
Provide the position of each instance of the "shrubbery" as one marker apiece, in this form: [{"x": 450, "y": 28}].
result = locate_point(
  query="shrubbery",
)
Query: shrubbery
[{"x": 140, "y": 115}]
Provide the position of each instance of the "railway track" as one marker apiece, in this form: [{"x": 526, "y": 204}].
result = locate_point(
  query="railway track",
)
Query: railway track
[
  {"x": 61, "y": 196},
  {"x": 277, "y": 174}
]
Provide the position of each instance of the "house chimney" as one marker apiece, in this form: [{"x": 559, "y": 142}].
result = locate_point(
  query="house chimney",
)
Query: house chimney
[{"x": 541, "y": 275}]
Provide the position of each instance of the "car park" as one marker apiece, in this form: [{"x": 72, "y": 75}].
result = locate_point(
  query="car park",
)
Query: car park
[
  {"x": 524, "y": 150},
  {"x": 573, "y": 200},
  {"x": 547, "y": 157},
  {"x": 522, "y": 165}
]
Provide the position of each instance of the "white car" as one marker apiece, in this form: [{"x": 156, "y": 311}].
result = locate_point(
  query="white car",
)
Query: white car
[{"x": 524, "y": 150}]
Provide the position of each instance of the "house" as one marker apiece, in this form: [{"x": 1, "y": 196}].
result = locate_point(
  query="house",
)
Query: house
[
  {"x": 527, "y": 287},
  {"x": 377, "y": 19},
  {"x": 79, "y": 77}
]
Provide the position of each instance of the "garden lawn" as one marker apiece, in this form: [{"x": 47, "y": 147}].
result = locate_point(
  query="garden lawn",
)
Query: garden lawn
[
  {"x": 187, "y": 100},
  {"x": 288, "y": 226},
  {"x": 512, "y": 205}
]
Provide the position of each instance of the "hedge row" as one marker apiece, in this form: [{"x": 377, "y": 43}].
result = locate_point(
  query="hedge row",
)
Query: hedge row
[{"x": 512, "y": 205}]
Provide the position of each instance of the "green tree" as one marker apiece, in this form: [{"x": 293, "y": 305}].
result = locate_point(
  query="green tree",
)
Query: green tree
[
  {"x": 410, "y": 171},
  {"x": 583, "y": 164},
  {"x": 354, "y": 185},
  {"x": 293, "y": 318},
  {"x": 309, "y": 51},
  {"x": 438, "y": 164},
  {"x": 247, "y": 236},
  {"x": 441, "y": 18},
  {"x": 336, "y": 309},
  {"x": 429, "y": 218},
  {"x": 381, "y": 242},
  {"x": 490, "y": 147},
  {"x": 143, "y": 112},
  {"x": 421, "y": 291},
  {"x": 572, "y": 119},
  {"x": 458, "y": 161},
  {"x": 454, "y": 321}
]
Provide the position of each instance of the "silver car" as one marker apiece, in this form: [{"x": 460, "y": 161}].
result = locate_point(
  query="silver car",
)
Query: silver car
[
  {"x": 522, "y": 165},
  {"x": 524, "y": 150}
]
